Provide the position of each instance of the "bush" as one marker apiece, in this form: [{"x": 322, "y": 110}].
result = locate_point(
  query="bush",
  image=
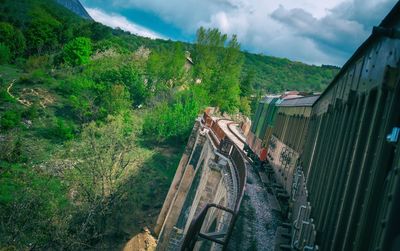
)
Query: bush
[
  {"x": 78, "y": 51},
  {"x": 64, "y": 129},
  {"x": 10, "y": 119},
  {"x": 31, "y": 112},
  {"x": 37, "y": 62},
  {"x": 5, "y": 54},
  {"x": 5, "y": 97},
  {"x": 245, "y": 108},
  {"x": 12, "y": 38},
  {"x": 175, "y": 120},
  {"x": 38, "y": 206}
]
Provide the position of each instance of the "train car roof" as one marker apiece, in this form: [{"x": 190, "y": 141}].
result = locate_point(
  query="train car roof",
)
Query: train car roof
[
  {"x": 268, "y": 99},
  {"x": 301, "y": 101},
  {"x": 387, "y": 22}
]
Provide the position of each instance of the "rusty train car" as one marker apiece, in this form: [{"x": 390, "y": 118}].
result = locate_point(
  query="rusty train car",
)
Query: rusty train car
[{"x": 337, "y": 156}]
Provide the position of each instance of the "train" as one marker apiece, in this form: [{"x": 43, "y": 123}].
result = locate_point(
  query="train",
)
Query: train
[{"x": 334, "y": 158}]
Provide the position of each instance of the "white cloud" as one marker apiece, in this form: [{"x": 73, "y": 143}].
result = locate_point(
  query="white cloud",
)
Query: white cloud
[
  {"x": 318, "y": 32},
  {"x": 114, "y": 20}
]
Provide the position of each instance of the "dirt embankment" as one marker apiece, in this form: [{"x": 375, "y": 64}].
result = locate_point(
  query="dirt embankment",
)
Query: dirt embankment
[{"x": 143, "y": 241}]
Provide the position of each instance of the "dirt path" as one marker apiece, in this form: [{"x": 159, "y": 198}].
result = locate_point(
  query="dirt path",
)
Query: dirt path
[{"x": 21, "y": 101}]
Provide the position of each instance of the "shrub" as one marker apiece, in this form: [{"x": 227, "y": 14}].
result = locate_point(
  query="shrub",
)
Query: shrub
[
  {"x": 31, "y": 112},
  {"x": 37, "y": 62},
  {"x": 10, "y": 119},
  {"x": 5, "y": 97},
  {"x": 245, "y": 106},
  {"x": 12, "y": 38},
  {"x": 78, "y": 51},
  {"x": 64, "y": 129},
  {"x": 175, "y": 120},
  {"x": 5, "y": 54}
]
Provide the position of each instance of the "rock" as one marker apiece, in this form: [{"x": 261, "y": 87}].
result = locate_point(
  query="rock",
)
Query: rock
[{"x": 143, "y": 241}]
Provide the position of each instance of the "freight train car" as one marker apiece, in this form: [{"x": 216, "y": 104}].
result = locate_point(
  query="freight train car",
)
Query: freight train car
[
  {"x": 351, "y": 159},
  {"x": 262, "y": 125},
  {"x": 345, "y": 185},
  {"x": 288, "y": 137},
  {"x": 338, "y": 159}
]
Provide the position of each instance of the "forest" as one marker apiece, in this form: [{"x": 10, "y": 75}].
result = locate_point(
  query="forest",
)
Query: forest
[{"x": 93, "y": 120}]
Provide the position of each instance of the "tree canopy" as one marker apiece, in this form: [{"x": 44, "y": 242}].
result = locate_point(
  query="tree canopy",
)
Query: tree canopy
[
  {"x": 78, "y": 51},
  {"x": 218, "y": 63}
]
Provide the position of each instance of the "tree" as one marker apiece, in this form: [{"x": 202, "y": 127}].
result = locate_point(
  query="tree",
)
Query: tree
[
  {"x": 117, "y": 100},
  {"x": 175, "y": 120},
  {"x": 12, "y": 38},
  {"x": 245, "y": 106},
  {"x": 102, "y": 160},
  {"x": 246, "y": 85},
  {"x": 84, "y": 98},
  {"x": 165, "y": 68},
  {"x": 218, "y": 64},
  {"x": 127, "y": 74},
  {"x": 42, "y": 32},
  {"x": 78, "y": 51}
]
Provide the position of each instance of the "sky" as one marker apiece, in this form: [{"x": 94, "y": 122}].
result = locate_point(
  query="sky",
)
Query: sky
[{"x": 311, "y": 31}]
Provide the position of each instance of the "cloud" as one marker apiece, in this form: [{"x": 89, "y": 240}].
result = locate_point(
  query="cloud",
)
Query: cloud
[
  {"x": 339, "y": 32},
  {"x": 317, "y": 32},
  {"x": 117, "y": 21}
]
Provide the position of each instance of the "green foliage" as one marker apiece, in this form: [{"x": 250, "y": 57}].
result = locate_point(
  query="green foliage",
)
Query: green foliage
[
  {"x": 63, "y": 129},
  {"x": 32, "y": 112},
  {"x": 275, "y": 75},
  {"x": 10, "y": 148},
  {"x": 12, "y": 38},
  {"x": 127, "y": 74},
  {"x": 247, "y": 83},
  {"x": 37, "y": 62},
  {"x": 175, "y": 120},
  {"x": 165, "y": 68},
  {"x": 32, "y": 206},
  {"x": 101, "y": 159},
  {"x": 84, "y": 98},
  {"x": 117, "y": 101},
  {"x": 42, "y": 32},
  {"x": 5, "y": 97},
  {"x": 10, "y": 119},
  {"x": 218, "y": 65},
  {"x": 5, "y": 54},
  {"x": 245, "y": 106},
  {"x": 78, "y": 51}
]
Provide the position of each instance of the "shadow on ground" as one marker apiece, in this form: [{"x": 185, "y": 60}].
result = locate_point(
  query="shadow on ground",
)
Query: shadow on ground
[{"x": 144, "y": 194}]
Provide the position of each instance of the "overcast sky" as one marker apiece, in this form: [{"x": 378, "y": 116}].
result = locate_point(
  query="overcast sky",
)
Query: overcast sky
[{"x": 311, "y": 31}]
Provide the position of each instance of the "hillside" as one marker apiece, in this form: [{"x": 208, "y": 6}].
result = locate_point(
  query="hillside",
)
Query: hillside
[
  {"x": 76, "y": 7},
  {"x": 275, "y": 75},
  {"x": 271, "y": 74}
]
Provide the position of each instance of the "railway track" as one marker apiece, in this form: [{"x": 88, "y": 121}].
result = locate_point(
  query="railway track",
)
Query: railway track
[{"x": 257, "y": 213}]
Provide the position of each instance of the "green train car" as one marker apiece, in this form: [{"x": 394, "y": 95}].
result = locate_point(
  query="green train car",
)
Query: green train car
[{"x": 263, "y": 123}]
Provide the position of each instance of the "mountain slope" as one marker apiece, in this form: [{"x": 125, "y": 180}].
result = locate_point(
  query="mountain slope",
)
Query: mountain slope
[
  {"x": 271, "y": 74},
  {"x": 76, "y": 7}
]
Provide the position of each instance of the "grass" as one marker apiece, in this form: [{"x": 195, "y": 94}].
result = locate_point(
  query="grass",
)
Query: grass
[{"x": 9, "y": 72}]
